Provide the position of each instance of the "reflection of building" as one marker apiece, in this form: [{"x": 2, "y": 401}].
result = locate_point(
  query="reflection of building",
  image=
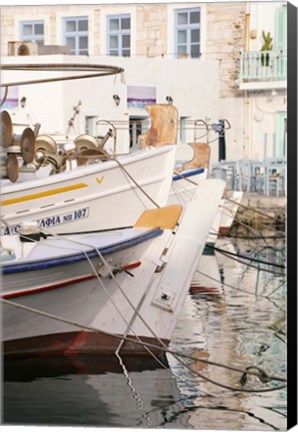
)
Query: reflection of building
[{"x": 204, "y": 57}]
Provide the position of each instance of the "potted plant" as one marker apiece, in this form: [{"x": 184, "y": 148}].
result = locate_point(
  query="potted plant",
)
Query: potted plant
[{"x": 267, "y": 46}]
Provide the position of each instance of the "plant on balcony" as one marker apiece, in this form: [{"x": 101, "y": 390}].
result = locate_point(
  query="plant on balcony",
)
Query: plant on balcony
[{"x": 267, "y": 46}]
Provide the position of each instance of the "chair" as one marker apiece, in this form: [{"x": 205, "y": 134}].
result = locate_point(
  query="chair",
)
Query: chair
[
  {"x": 274, "y": 176},
  {"x": 243, "y": 175}
]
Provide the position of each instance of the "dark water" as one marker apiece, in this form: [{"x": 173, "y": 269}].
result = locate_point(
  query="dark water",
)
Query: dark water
[{"x": 238, "y": 322}]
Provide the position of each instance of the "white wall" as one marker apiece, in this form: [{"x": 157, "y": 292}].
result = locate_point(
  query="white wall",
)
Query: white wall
[
  {"x": 253, "y": 122},
  {"x": 262, "y": 17},
  {"x": 193, "y": 85},
  {"x": 232, "y": 109}
]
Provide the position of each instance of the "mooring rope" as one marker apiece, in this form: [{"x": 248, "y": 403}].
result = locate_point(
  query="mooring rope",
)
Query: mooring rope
[
  {"x": 76, "y": 242},
  {"x": 156, "y": 347},
  {"x": 135, "y": 393},
  {"x": 162, "y": 346},
  {"x": 247, "y": 226},
  {"x": 239, "y": 204},
  {"x": 114, "y": 158},
  {"x": 250, "y": 209},
  {"x": 253, "y": 266},
  {"x": 238, "y": 220},
  {"x": 228, "y": 235},
  {"x": 246, "y": 257},
  {"x": 136, "y": 313},
  {"x": 228, "y": 285}
]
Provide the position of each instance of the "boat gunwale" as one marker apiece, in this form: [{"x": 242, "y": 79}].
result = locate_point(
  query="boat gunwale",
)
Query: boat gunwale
[
  {"x": 81, "y": 171},
  {"x": 27, "y": 265}
]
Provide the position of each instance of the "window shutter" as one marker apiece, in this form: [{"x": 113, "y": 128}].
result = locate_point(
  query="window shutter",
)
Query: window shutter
[{"x": 281, "y": 29}]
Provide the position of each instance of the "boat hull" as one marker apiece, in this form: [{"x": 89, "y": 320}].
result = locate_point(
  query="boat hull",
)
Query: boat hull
[
  {"x": 82, "y": 313},
  {"x": 229, "y": 210},
  {"x": 96, "y": 196},
  {"x": 48, "y": 304},
  {"x": 96, "y": 314}
]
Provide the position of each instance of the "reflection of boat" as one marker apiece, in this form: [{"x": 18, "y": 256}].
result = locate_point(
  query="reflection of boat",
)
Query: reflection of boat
[
  {"x": 88, "y": 391},
  {"x": 229, "y": 210},
  {"x": 145, "y": 302},
  {"x": 206, "y": 279}
]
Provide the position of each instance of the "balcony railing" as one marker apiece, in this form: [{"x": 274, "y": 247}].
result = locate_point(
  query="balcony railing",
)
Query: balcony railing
[{"x": 263, "y": 66}]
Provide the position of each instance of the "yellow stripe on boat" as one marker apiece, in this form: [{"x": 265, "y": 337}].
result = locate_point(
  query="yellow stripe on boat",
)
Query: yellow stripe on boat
[
  {"x": 43, "y": 194},
  {"x": 163, "y": 218}
]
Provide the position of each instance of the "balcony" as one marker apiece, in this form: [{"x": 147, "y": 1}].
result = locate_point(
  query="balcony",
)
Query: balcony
[{"x": 261, "y": 70}]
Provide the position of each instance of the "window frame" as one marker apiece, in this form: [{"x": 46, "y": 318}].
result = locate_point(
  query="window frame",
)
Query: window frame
[
  {"x": 188, "y": 27},
  {"x": 119, "y": 33},
  {"x": 76, "y": 34},
  {"x": 39, "y": 39}
]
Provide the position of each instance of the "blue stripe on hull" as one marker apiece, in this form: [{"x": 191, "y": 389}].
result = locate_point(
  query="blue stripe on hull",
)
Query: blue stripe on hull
[
  {"x": 38, "y": 265},
  {"x": 188, "y": 174}
]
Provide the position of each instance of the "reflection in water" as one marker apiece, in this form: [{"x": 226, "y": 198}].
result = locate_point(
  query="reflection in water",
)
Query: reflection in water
[
  {"x": 237, "y": 327},
  {"x": 88, "y": 391}
]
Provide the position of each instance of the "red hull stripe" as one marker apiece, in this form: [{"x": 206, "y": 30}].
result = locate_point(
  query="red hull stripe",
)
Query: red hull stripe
[
  {"x": 62, "y": 284},
  {"x": 132, "y": 266},
  {"x": 47, "y": 288}
]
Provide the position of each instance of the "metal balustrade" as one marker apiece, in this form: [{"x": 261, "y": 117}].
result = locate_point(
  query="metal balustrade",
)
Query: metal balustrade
[{"x": 263, "y": 66}]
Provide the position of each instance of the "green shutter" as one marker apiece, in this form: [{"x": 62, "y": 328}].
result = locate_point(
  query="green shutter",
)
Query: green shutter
[
  {"x": 280, "y": 134},
  {"x": 281, "y": 28}
]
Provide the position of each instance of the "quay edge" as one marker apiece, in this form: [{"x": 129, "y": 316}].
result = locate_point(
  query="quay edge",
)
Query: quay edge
[{"x": 254, "y": 207}]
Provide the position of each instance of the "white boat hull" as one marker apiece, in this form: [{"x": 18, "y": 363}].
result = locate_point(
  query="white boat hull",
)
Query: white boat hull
[
  {"x": 143, "y": 307},
  {"x": 95, "y": 196},
  {"x": 229, "y": 210}
]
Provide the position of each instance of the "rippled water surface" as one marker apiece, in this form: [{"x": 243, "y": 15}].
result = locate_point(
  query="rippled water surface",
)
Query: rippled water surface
[{"x": 236, "y": 319}]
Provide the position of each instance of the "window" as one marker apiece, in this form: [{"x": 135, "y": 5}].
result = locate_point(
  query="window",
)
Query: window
[
  {"x": 183, "y": 129},
  {"x": 32, "y": 31},
  {"x": 75, "y": 35},
  {"x": 187, "y": 33},
  {"x": 118, "y": 36},
  {"x": 137, "y": 126}
]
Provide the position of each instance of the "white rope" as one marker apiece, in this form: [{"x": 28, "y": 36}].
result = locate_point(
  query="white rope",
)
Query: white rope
[
  {"x": 164, "y": 349},
  {"x": 114, "y": 280}
]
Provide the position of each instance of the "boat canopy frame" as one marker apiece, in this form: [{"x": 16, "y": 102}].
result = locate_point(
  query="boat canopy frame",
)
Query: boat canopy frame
[{"x": 92, "y": 71}]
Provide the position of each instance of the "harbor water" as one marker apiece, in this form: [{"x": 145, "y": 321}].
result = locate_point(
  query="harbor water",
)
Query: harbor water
[{"x": 234, "y": 317}]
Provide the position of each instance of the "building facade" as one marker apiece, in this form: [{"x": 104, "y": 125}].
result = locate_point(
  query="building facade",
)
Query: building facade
[{"x": 203, "y": 57}]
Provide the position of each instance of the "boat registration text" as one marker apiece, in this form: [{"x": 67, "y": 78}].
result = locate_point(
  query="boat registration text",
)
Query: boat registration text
[{"x": 51, "y": 221}]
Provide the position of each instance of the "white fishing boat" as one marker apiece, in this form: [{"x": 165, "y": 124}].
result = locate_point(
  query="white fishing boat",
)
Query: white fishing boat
[
  {"x": 188, "y": 173},
  {"x": 105, "y": 291},
  {"x": 99, "y": 195},
  {"x": 110, "y": 192}
]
